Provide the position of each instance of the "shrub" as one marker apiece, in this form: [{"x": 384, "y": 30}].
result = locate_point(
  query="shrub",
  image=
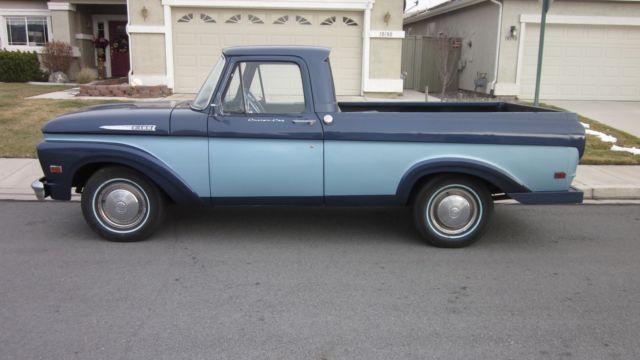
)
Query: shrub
[
  {"x": 86, "y": 75},
  {"x": 19, "y": 66},
  {"x": 57, "y": 56}
]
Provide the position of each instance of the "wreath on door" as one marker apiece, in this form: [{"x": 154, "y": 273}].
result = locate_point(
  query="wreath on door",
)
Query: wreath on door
[{"x": 121, "y": 45}]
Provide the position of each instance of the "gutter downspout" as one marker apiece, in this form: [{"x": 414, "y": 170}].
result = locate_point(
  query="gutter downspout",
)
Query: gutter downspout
[{"x": 498, "y": 41}]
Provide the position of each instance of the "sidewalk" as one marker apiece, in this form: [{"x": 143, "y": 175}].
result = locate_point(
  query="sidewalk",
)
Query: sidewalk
[{"x": 611, "y": 182}]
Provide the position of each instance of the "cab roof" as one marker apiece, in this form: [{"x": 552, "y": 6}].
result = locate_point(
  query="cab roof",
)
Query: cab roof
[{"x": 315, "y": 52}]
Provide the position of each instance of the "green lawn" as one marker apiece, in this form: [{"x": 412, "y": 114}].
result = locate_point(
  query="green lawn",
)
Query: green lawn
[{"x": 21, "y": 119}]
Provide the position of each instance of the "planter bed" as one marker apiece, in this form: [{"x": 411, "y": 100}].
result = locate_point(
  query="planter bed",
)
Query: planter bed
[{"x": 120, "y": 88}]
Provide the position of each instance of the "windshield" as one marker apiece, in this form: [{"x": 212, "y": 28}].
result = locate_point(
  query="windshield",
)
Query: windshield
[{"x": 202, "y": 99}]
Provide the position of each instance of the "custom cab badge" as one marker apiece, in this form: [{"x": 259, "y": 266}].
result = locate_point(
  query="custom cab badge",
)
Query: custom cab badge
[
  {"x": 272, "y": 120},
  {"x": 129, "y": 127}
]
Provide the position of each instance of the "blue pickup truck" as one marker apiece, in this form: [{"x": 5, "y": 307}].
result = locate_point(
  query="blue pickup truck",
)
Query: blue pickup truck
[{"x": 266, "y": 129}]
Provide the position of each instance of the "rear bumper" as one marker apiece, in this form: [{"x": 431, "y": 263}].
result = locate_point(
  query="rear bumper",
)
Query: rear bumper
[
  {"x": 40, "y": 188},
  {"x": 571, "y": 196}
]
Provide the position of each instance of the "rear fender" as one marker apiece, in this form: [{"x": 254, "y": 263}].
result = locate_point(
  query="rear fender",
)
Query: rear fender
[{"x": 485, "y": 171}]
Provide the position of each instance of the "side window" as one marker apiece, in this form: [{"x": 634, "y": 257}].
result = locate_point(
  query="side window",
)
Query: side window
[
  {"x": 279, "y": 86},
  {"x": 233, "y": 100},
  {"x": 265, "y": 88}
]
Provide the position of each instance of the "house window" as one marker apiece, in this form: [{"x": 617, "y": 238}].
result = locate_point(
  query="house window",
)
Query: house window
[
  {"x": 282, "y": 20},
  {"x": 27, "y": 30}
]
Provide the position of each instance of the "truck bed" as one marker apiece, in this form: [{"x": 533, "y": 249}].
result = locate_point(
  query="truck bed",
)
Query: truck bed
[{"x": 455, "y": 107}]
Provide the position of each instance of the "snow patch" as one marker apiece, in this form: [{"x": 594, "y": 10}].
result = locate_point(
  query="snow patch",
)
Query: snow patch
[
  {"x": 633, "y": 150},
  {"x": 610, "y": 139},
  {"x": 602, "y": 136}
]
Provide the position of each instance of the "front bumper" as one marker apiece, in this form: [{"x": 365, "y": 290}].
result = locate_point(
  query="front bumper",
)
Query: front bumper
[
  {"x": 571, "y": 196},
  {"x": 40, "y": 188}
]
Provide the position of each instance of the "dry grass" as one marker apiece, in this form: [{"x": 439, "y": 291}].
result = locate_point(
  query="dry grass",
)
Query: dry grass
[
  {"x": 21, "y": 119},
  {"x": 599, "y": 152}
]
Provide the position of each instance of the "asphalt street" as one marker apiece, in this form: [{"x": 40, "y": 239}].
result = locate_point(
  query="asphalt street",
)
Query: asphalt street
[{"x": 548, "y": 282}]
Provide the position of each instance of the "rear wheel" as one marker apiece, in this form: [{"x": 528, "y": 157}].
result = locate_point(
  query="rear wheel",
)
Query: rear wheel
[
  {"x": 119, "y": 204},
  {"x": 452, "y": 211}
]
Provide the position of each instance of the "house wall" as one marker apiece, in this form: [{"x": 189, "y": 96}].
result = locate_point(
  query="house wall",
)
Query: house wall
[
  {"x": 149, "y": 56},
  {"x": 155, "y": 12},
  {"x": 477, "y": 27},
  {"x": 385, "y": 53},
  {"x": 148, "y": 53},
  {"x": 511, "y": 17},
  {"x": 23, "y": 5}
]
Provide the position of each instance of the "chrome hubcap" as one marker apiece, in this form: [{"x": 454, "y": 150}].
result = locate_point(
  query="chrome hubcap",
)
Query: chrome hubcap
[
  {"x": 453, "y": 211},
  {"x": 121, "y": 205}
]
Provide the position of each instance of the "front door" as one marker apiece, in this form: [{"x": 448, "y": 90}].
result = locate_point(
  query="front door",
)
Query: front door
[
  {"x": 265, "y": 141},
  {"x": 119, "y": 48}
]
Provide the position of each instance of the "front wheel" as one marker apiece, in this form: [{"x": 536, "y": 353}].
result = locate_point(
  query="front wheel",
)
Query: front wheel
[
  {"x": 452, "y": 212},
  {"x": 121, "y": 205}
]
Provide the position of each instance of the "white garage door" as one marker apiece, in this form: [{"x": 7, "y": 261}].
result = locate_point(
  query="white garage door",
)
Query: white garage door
[
  {"x": 583, "y": 62},
  {"x": 199, "y": 35}
]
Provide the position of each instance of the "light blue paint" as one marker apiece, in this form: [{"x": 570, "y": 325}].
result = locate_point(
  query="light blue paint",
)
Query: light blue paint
[
  {"x": 376, "y": 168},
  {"x": 265, "y": 167},
  {"x": 186, "y": 156}
]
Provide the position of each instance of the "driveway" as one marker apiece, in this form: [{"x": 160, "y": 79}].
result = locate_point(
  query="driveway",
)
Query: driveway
[
  {"x": 546, "y": 282},
  {"x": 622, "y": 115}
]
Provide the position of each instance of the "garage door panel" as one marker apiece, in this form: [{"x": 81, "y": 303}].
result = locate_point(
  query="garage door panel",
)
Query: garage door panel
[
  {"x": 583, "y": 62},
  {"x": 235, "y": 27}
]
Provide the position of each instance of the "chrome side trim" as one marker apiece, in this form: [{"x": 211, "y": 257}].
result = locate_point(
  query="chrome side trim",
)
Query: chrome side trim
[{"x": 129, "y": 127}]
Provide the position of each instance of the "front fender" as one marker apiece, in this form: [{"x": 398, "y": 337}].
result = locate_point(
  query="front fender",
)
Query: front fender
[
  {"x": 489, "y": 173},
  {"x": 72, "y": 156}
]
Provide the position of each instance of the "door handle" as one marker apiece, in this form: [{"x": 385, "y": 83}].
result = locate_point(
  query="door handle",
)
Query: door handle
[{"x": 304, "y": 122}]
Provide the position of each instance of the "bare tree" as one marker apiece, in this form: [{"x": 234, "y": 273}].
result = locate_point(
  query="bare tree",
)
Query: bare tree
[{"x": 446, "y": 61}]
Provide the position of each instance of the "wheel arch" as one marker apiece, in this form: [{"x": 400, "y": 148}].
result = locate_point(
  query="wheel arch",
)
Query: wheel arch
[{"x": 496, "y": 179}]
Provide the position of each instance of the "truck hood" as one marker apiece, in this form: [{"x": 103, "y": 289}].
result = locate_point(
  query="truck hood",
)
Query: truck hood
[{"x": 148, "y": 118}]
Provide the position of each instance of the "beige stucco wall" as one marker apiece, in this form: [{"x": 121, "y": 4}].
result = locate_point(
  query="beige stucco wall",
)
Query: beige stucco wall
[
  {"x": 385, "y": 54},
  {"x": 514, "y": 8},
  {"x": 21, "y": 5},
  {"x": 63, "y": 28},
  {"x": 155, "y": 12},
  {"x": 477, "y": 26},
  {"x": 63, "y": 25},
  {"x": 148, "y": 54}
]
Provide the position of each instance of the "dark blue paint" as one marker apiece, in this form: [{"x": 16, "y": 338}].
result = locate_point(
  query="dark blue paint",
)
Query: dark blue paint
[
  {"x": 316, "y": 59},
  {"x": 457, "y": 166},
  {"x": 265, "y": 126},
  {"x": 74, "y": 155},
  {"x": 186, "y": 121},
  {"x": 267, "y": 200},
  {"x": 572, "y": 196},
  {"x": 499, "y": 128},
  {"x": 363, "y": 200},
  {"x": 89, "y": 120}
]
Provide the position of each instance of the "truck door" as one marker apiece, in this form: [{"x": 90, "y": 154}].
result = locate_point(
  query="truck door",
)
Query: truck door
[{"x": 265, "y": 140}]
